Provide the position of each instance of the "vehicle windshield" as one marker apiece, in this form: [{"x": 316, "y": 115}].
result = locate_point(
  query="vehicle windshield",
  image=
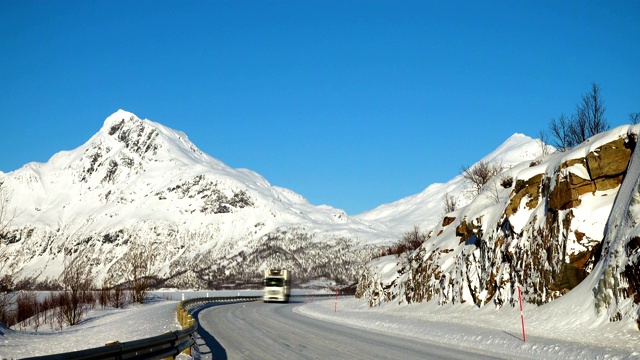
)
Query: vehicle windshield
[{"x": 278, "y": 282}]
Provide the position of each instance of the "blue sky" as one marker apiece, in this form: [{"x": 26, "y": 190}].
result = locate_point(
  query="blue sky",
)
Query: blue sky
[{"x": 349, "y": 103}]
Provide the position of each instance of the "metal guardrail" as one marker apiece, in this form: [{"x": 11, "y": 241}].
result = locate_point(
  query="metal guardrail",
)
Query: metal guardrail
[{"x": 163, "y": 346}]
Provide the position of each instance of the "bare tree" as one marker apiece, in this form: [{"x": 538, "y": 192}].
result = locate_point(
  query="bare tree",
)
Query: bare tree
[
  {"x": 450, "y": 203},
  {"x": 27, "y": 310},
  {"x": 560, "y": 131},
  {"x": 493, "y": 192},
  {"x": 410, "y": 241},
  {"x": 77, "y": 280},
  {"x": 542, "y": 141},
  {"x": 414, "y": 237},
  {"x": 578, "y": 130},
  {"x": 112, "y": 295},
  {"x": 7, "y": 312},
  {"x": 634, "y": 118},
  {"x": 480, "y": 174},
  {"x": 138, "y": 264},
  {"x": 119, "y": 297},
  {"x": 592, "y": 110},
  {"x": 588, "y": 120},
  {"x": 7, "y": 215}
]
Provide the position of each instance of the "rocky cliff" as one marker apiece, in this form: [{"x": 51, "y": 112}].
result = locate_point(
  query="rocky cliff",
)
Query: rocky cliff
[{"x": 546, "y": 231}]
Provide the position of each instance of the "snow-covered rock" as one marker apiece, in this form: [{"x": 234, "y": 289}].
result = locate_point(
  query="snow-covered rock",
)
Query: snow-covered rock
[{"x": 563, "y": 226}]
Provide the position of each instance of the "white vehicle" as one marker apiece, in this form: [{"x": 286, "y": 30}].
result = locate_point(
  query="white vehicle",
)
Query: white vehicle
[{"x": 277, "y": 285}]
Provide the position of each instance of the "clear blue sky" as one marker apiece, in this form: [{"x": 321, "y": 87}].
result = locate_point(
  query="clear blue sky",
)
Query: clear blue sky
[{"x": 349, "y": 103}]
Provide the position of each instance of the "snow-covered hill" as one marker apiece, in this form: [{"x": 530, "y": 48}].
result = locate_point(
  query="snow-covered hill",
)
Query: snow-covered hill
[
  {"x": 427, "y": 208},
  {"x": 564, "y": 228},
  {"x": 138, "y": 182}
]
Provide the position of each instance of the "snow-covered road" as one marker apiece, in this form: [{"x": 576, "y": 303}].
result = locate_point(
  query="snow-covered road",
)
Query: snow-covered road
[
  {"x": 255, "y": 330},
  {"x": 355, "y": 331}
]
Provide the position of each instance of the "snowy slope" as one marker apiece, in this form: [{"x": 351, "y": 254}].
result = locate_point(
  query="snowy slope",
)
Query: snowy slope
[
  {"x": 136, "y": 161},
  {"x": 564, "y": 230},
  {"x": 426, "y": 208},
  {"x": 138, "y": 182}
]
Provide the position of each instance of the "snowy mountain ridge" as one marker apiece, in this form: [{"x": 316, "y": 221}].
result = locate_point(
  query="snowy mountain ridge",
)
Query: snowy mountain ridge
[
  {"x": 425, "y": 209},
  {"x": 138, "y": 182}
]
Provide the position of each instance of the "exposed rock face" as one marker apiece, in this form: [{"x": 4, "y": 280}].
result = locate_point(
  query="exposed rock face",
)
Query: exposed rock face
[
  {"x": 610, "y": 159},
  {"x": 530, "y": 189},
  {"x": 545, "y": 234},
  {"x": 605, "y": 167},
  {"x": 617, "y": 290}
]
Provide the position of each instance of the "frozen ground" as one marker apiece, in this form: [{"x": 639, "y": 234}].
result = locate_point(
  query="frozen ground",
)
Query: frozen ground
[
  {"x": 562, "y": 337},
  {"x": 97, "y": 329},
  {"x": 550, "y": 334}
]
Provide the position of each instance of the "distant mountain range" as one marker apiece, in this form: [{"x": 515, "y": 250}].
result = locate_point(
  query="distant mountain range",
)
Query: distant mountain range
[{"x": 137, "y": 182}]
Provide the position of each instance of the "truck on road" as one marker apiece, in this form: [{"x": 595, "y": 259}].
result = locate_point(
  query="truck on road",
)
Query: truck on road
[{"x": 277, "y": 285}]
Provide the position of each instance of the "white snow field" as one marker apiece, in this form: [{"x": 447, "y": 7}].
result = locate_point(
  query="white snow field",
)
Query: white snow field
[{"x": 562, "y": 331}]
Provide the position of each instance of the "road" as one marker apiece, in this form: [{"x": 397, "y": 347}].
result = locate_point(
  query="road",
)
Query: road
[{"x": 254, "y": 330}]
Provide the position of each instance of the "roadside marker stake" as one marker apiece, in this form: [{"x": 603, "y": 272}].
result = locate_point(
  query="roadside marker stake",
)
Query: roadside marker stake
[
  {"x": 335, "y": 305},
  {"x": 524, "y": 335}
]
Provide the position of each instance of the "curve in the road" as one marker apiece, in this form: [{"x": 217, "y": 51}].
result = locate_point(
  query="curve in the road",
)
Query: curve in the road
[{"x": 254, "y": 330}]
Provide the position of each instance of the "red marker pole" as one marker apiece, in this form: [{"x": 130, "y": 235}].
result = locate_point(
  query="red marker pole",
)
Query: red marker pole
[
  {"x": 335, "y": 305},
  {"x": 524, "y": 335}
]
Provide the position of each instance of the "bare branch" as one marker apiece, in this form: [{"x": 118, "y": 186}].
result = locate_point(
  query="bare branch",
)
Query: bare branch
[
  {"x": 450, "y": 203},
  {"x": 7, "y": 214},
  {"x": 480, "y": 174}
]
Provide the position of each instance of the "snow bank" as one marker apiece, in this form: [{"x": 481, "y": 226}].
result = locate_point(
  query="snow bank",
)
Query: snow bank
[{"x": 492, "y": 331}]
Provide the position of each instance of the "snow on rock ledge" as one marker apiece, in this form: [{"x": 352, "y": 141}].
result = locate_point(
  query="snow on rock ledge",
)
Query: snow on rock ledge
[{"x": 544, "y": 233}]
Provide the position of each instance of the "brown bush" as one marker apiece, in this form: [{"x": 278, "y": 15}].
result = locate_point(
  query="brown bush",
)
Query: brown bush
[
  {"x": 410, "y": 241},
  {"x": 77, "y": 280},
  {"x": 7, "y": 312},
  {"x": 480, "y": 174},
  {"x": 506, "y": 182}
]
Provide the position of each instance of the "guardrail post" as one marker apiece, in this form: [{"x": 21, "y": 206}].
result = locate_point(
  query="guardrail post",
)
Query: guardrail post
[{"x": 188, "y": 322}]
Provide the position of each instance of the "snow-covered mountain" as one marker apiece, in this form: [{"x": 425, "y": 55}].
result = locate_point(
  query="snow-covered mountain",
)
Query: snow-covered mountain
[
  {"x": 426, "y": 208},
  {"x": 139, "y": 183},
  {"x": 564, "y": 228}
]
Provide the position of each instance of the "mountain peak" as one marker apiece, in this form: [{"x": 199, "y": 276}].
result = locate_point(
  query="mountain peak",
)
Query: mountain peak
[
  {"x": 117, "y": 119},
  {"x": 140, "y": 182},
  {"x": 516, "y": 149}
]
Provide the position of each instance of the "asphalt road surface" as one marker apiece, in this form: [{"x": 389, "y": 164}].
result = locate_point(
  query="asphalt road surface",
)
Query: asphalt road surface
[{"x": 255, "y": 330}]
